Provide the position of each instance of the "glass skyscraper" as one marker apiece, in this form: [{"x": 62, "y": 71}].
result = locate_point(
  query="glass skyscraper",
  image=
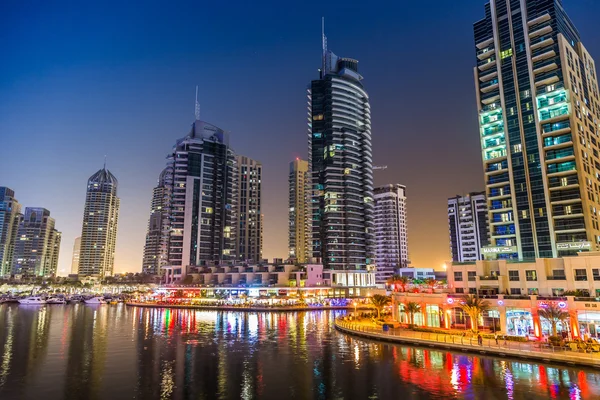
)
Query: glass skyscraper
[
  {"x": 156, "y": 248},
  {"x": 340, "y": 166},
  {"x": 297, "y": 224},
  {"x": 537, "y": 97},
  {"x": 10, "y": 214}
]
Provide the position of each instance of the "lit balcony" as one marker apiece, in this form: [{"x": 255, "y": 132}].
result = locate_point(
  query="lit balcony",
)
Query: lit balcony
[{"x": 486, "y": 53}]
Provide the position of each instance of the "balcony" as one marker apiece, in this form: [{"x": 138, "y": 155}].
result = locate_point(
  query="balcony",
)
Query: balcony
[
  {"x": 485, "y": 53},
  {"x": 488, "y": 278},
  {"x": 540, "y": 31}
]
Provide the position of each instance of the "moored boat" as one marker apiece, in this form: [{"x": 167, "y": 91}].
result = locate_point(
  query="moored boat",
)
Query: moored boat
[
  {"x": 95, "y": 300},
  {"x": 32, "y": 300},
  {"x": 56, "y": 300}
]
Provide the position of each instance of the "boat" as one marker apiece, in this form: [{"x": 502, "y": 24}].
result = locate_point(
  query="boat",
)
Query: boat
[
  {"x": 56, "y": 300},
  {"x": 32, "y": 300},
  {"x": 95, "y": 300}
]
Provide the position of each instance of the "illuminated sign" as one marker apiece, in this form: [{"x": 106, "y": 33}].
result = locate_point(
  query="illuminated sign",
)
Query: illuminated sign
[
  {"x": 573, "y": 246},
  {"x": 499, "y": 250},
  {"x": 500, "y": 302},
  {"x": 450, "y": 300}
]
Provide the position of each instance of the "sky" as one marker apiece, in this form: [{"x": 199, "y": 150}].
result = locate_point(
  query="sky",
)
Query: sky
[{"x": 81, "y": 80}]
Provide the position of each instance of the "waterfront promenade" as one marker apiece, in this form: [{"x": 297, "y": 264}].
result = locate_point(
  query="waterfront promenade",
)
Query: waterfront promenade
[
  {"x": 530, "y": 351},
  {"x": 252, "y": 308}
]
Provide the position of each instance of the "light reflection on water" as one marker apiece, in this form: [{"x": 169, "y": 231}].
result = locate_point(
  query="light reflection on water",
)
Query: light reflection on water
[{"x": 114, "y": 352}]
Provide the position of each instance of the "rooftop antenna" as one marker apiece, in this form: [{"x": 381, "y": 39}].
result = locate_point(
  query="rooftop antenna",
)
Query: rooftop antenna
[
  {"x": 105, "y": 162},
  {"x": 324, "y": 45},
  {"x": 197, "y": 108}
]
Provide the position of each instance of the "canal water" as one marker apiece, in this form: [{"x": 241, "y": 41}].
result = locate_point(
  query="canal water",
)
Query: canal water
[{"x": 119, "y": 352}]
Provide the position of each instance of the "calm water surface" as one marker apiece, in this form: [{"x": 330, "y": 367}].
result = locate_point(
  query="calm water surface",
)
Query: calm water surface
[{"x": 119, "y": 352}]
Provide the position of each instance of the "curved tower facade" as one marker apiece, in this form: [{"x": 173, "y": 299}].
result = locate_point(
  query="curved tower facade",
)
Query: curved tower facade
[
  {"x": 340, "y": 166},
  {"x": 156, "y": 248},
  {"x": 99, "y": 231}
]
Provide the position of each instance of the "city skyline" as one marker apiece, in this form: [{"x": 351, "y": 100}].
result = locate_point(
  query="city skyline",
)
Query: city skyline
[{"x": 130, "y": 113}]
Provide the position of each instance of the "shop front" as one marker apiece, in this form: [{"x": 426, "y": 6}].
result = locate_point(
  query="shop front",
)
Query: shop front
[
  {"x": 589, "y": 323},
  {"x": 519, "y": 322}
]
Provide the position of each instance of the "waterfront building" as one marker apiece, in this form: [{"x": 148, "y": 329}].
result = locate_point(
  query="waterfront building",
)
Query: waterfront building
[
  {"x": 75, "y": 256},
  {"x": 516, "y": 291},
  {"x": 537, "y": 97},
  {"x": 340, "y": 166},
  {"x": 203, "y": 200},
  {"x": 391, "y": 249},
  {"x": 10, "y": 213},
  {"x": 156, "y": 247},
  {"x": 298, "y": 211},
  {"x": 468, "y": 226},
  {"x": 37, "y": 244},
  {"x": 99, "y": 230},
  {"x": 418, "y": 273},
  {"x": 249, "y": 227}
]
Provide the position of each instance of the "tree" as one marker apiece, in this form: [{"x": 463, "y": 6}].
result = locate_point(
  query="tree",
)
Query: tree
[
  {"x": 431, "y": 283},
  {"x": 553, "y": 315},
  {"x": 399, "y": 280},
  {"x": 379, "y": 302},
  {"x": 412, "y": 308},
  {"x": 474, "y": 307}
]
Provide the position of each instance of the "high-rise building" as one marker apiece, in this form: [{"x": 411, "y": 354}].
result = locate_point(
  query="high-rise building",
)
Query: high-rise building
[
  {"x": 391, "y": 244},
  {"x": 340, "y": 166},
  {"x": 10, "y": 212},
  {"x": 203, "y": 200},
  {"x": 298, "y": 211},
  {"x": 99, "y": 231},
  {"x": 156, "y": 248},
  {"x": 37, "y": 244},
  {"x": 75, "y": 257},
  {"x": 537, "y": 97},
  {"x": 468, "y": 226},
  {"x": 249, "y": 220}
]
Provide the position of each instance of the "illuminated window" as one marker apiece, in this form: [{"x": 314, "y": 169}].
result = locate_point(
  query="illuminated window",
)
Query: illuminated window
[
  {"x": 318, "y": 117},
  {"x": 517, "y": 148},
  {"x": 568, "y": 210},
  {"x": 564, "y": 181},
  {"x": 347, "y": 171},
  {"x": 506, "y": 53}
]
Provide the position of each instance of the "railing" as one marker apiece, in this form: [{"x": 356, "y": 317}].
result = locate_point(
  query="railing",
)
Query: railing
[{"x": 569, "y": 352}]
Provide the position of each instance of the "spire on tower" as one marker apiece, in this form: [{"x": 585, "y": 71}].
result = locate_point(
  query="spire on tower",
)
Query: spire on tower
[
  {"x": 105, "y": 162},
  {"x": 324, "y": 45},
  {"x": 197, "y": 107}
]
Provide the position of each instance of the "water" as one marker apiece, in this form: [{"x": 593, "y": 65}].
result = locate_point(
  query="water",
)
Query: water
[{"x": 119, "y": 352}]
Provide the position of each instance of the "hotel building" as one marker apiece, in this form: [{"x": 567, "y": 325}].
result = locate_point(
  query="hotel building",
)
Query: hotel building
[
  {"x": 468, "y": 226},
  {"x": 10, "y": 214},
  {"x": 537, "y": 97},
  {"x": 249, "y": 219},
  {"x": 298, "y": 211},
  {"x": 340, "y": 166},
  {"x": 391, "y": 243}
]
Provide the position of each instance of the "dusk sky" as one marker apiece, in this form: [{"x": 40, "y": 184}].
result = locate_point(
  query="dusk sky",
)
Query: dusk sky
[{"x": 80, "y": 80}]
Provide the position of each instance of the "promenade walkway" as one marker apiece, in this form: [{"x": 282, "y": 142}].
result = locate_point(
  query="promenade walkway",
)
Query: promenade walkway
[
  {"x": 254, "y": 308},
  {"x": 531, "y": 351}
]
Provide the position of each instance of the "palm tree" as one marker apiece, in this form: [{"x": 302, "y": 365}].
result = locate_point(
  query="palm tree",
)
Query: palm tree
[
  {"x": 379, "y": 302},
  {"x": 398, "y": 280},
  {"x": 412, "y": 308},
  {"x": 431, "y": 283},
  {"x": 553, "y": 315},
  {"x": 474, "y": 307}
]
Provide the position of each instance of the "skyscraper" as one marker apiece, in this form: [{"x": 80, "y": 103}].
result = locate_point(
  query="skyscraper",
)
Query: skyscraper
[
  {"x": 10, "y": 210},
  {"x": 203, "y": 200},
  {"x": 340, "y": 166},
  {"x": 468, "y": 226},
  {"x": 298, "y": 211},
  {"x": 537, "y": 97},
  {"x": 249, "y": 220},
  {"x": 75, "y": 257},
  {"x": 156, "y": 248},
  {"x": 99, "y": 231},
  {"x": 390, "y": 230},
  {"x": 37, "y": 244}
]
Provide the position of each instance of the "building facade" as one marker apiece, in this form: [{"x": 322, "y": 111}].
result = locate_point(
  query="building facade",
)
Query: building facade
[
  {"x": 10, "y": 214},
  {"x": 298, "y": 211},
  {"x": 468, "y": 226},
  {"x": 37, "y": 245},
  {"x": 391, "y": 244},
  {"x": 99, "y": 230},
  {"x": 203, "y": 200},
  {"x": 249, "y": 218},
  {"x": 537, "y": 97},
  {"x": 340, "y": 166},
  {"x": 156, "y": 247},
  {"x": 75, "y": 256}
]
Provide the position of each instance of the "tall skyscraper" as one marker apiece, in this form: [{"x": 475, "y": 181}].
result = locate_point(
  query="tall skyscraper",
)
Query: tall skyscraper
[
  {"x": 537, "y": 96},
  {"x": 340, "y": 165},
  {"x": 156, "y": 248},
  {"x": 75, "y": 257},
  {"x": 298, "y": 211},
  {"x": 468, "y": 226},
  {"x": 37, "y": 244},
  {"x": 203, "y": 200},
  {"x": 390, "y": 231},
  {"x": 99, "y": 231},
  {"x": 249, "y": 220},
  {"x": 10, "y": 211}
]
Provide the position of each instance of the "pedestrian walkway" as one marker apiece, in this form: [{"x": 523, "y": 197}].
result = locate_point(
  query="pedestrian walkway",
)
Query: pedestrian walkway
[{"x": 528, "y": 350}]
